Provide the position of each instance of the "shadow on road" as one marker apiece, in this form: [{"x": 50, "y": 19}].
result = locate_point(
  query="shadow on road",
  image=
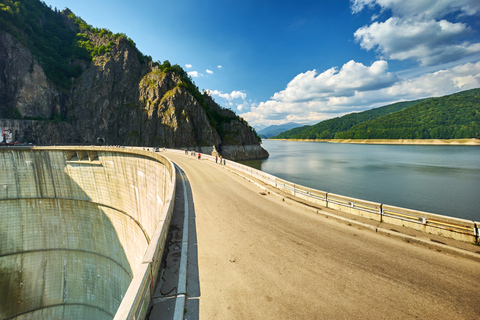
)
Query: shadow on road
[{"x": 165, "y": 296}]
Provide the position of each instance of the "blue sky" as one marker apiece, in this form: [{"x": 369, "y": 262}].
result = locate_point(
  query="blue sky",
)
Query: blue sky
[{"x": 274, "y": 62}]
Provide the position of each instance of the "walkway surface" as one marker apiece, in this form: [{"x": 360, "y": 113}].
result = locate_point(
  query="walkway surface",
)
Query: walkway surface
[{"x": 254, "y": 256}]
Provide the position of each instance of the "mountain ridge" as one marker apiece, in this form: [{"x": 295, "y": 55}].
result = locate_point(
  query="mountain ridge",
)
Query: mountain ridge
[
  {"x": 274, "y": 130},
  {"x": 454, "y": 116},
  {"x": 327, "y": 129},
  {"x": 64, "y": 81}
]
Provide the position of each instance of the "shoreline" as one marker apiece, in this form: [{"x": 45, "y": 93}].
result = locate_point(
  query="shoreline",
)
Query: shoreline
[{"x": 437, "y": 142}]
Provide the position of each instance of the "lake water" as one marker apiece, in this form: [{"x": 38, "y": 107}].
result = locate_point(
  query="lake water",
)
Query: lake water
[{"x": 438, "y": 179}]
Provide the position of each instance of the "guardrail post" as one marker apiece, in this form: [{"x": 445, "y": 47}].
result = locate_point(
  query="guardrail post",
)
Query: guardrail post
[
  {"x": 326, "y": 200},
  {"x": 477, "y": 233},
  {"x": 381, "y": 212}
]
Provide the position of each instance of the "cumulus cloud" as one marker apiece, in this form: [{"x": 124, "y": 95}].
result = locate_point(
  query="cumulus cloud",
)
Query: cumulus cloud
[
  {"x": 241, "y": 107},
  {"x": 236, "y": 99},
  {"x": 194, "y": 74},
  {"x": 229, "y": 96},
  {"x": 352, "y": 77},
  {"x": 428, "y": 42},
  {"x": 458, "y": 78},
  {"x": 219, "y": 67},
  {"x": 429, "y": 9},
  {"x": 188, "y": 66},
  {"x": 357, "y": 91},
  {"x": 209, "y": 71},
  {"x": 418, "y": 30}
]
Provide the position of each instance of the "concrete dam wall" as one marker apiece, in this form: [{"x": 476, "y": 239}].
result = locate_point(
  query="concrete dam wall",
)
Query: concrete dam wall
[{"x": 82, "y": 231}]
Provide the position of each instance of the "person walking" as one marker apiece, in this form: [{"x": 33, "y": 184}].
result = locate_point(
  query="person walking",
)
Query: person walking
[{"x": 199, "y": 156}]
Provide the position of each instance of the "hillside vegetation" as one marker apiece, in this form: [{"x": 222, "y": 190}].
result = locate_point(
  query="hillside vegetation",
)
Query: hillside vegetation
[
  {"x": 455, "y": 116},
  {"x": 66, "y": 47},
  {"x": 329, "y": 128}
]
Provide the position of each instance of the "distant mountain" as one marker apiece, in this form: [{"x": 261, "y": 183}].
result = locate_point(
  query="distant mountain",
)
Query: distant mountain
[
  {"x": 274, "y": 130},
  {"x": 456, "y": 116},
  {"x": 329, "y": 128}
]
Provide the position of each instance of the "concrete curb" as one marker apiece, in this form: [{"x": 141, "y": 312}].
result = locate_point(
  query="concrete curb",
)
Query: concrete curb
[{"x": 182, "y": 272}]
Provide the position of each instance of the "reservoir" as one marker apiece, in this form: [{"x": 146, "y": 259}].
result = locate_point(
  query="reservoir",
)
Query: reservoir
[{"x": 437, "y": 179}]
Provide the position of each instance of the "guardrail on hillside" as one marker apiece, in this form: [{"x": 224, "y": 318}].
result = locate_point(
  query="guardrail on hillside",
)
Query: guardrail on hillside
[{"x": 450, "y": 227}]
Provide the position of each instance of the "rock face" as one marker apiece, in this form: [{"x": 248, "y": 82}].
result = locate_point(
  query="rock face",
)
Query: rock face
[
  {"x": 117, "y": 99},
  {"x": 23, "y": 84}
]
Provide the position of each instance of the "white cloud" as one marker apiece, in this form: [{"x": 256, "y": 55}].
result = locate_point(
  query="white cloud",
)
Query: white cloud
[
  {"x": 229, "y": 96},
  {"x": 235, "y": 99},
  {"x": 352, "y": 77},
  {"x": 463, "y": 77},
  {"x": 331, "y": 93},
  {"x": 429, "y": 42},
  {"x": 188, "y": 66},
  {"x": 429, "y": 9},
  {"x": 419, "y": 30},
  {"x": 194, "y": 74},
  {"x": 219, "y": 67},
  {"x": 209, "y": 71}
]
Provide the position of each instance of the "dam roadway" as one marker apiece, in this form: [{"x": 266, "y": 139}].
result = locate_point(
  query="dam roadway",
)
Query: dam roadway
[{"x": 259, "y": 257}]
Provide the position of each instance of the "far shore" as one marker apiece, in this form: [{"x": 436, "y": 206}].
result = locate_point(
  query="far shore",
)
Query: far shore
[{"x": 451, "y": 142}]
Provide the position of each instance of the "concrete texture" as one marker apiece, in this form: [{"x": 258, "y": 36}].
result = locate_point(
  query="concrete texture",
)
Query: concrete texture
[
  {"x": 170, "y": 298},
  {"x": 75, "y": 226}
]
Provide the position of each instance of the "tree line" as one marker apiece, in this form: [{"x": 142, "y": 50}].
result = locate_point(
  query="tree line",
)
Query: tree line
[{"x": 328, "y": 129}]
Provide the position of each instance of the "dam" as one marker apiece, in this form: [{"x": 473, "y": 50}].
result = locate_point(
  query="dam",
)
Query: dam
[{"x": 82, "y": 231}]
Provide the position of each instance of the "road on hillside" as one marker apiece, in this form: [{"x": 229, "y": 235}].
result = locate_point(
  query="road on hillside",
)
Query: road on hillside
[{"x": 261, "y": 258}]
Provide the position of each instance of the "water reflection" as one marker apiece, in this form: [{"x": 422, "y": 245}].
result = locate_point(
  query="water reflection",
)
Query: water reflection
[{"x": 438, "y": 179}]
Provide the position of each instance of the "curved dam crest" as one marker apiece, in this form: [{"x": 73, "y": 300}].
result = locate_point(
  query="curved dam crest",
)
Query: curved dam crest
[{"x": 76, "y": 224}]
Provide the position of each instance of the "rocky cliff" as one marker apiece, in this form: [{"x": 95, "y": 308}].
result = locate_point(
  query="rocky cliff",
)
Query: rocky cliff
[{"x": 118, "y": 97}]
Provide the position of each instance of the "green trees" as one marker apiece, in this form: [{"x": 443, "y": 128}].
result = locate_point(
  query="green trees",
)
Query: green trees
[
  {"x": 44, "y": 32},
  {"x": 329, "y": 128},
  {"x": 62, "y": 42},
  {"x": 52, "y": 42},
  {"x": 449, "y": 117},
  {"x": 455, "y": 116}
]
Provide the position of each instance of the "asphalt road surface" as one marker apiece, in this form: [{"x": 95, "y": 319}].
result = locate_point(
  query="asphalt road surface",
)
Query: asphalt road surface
[{"x": 257, "y": 257}]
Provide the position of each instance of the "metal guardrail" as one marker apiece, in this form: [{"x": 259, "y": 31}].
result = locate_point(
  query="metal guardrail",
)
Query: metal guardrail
[{"x": 461, "y": 229}]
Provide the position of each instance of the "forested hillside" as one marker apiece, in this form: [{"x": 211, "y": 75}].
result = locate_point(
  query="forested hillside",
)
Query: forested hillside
[
  {"x": 455, "y": 116},
  {"x": 329, "y": 128}
]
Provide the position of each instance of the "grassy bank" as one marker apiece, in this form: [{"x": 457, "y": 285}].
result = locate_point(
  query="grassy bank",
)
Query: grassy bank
[{"x": 456, "y": 142}]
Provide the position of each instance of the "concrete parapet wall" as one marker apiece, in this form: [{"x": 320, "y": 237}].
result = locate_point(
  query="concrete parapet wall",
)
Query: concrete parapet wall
[
  {"x": 78, "y": 225},
  {"x": 358, "y": 207},
  {"x": 449, "y": 227}
]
